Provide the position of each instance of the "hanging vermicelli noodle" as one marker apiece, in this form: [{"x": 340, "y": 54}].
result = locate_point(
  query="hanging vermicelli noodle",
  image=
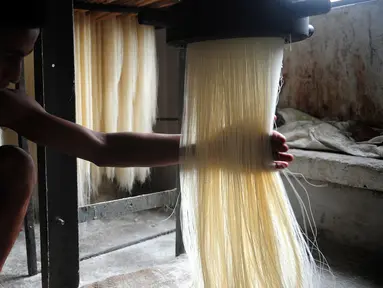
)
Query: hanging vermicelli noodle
[
  {"x": 116, "y": 89},
  {"x": 238, "y": 225},
  {"x": 146, "y": 104},
  {"x": 112, "y": 70},
  {"x": 96, "y": 96},
  {"x": 128, "y": 88},
  {"x": 87, "y": 102},
  {"x": 80, "y": 71}
]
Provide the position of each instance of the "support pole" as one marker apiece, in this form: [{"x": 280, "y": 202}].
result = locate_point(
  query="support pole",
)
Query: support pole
[
  {"x": 57, "y": 172},
  {"x": 180, "y": 249},
  {"x": 41, "y": 167},
  {"x": 29, "y": 224}
]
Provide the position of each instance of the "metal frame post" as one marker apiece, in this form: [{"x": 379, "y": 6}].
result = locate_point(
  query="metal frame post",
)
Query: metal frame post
[
  {"x": 57, "y": 175},
  {"x": 41, "y": 167},
  {"x": 29, "y": 224},
  {"x": 55, "y": 79},
  {"x": 180, "y": 248}
]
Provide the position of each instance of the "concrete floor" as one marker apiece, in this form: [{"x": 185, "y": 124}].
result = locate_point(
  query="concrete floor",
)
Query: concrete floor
[
  {"x": 352, "y": 268},
  {"x": 98, "y": 236}
]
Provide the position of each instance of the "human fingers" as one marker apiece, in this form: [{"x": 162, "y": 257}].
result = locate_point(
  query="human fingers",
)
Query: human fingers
[
  {"x": 284, "y": 157},
  {"x": 280, "y": 165}
]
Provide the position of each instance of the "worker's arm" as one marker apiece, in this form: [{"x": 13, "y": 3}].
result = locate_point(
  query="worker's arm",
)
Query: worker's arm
[
  {"x": 28, "y": 118},
  {"x": 25, "y": 116}
]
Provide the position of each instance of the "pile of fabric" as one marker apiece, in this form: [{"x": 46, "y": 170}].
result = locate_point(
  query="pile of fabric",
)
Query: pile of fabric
[{"x": 303, "y": 131}]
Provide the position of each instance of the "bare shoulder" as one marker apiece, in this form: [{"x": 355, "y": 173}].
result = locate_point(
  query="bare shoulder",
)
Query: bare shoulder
[{"x": 15, "y": 107}]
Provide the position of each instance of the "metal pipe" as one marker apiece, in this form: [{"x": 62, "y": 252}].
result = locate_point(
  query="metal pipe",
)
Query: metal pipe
[
  {"x": 41, "y": 168},
  {"x": 180, "y": 248},
  {"x": 343, "y": 3},
  {"x": 29, "y": 225},
  {"x": 167, "y": 119},
  {"x": 129, "y": 244}
]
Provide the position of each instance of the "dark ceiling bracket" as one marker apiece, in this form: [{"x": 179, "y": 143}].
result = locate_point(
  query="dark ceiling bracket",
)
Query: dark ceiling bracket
[
  {"x": 112, "y": 8},
  {"x": 199, "y": 20}
]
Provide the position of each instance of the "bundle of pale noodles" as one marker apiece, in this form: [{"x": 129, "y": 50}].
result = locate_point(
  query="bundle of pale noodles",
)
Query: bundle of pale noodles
[
  {"x": 238, "y": 225},
  {"x": 116, "y": 89}
]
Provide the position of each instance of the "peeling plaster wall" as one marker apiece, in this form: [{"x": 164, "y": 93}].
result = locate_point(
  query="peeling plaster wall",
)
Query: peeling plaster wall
[{"x": 338, "y": 73}]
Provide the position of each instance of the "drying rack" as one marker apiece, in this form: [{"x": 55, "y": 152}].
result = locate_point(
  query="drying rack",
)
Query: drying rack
[{"x": 57, "y": 177}]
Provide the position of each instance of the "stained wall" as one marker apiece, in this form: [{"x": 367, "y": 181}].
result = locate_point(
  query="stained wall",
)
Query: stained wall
[{"x": 338, "y": 73}]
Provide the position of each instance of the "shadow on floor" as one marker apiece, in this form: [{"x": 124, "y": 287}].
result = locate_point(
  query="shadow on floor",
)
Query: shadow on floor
[{"x": 354, "y": 262}]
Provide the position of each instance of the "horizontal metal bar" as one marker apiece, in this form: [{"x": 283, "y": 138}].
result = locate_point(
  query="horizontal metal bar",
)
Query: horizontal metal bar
[
  {"x": 122, "y": 207},
  {"x": 341, "y": 3},
  {"x": 112, "y": 8},
  {"x": 135, "y": 242},
  {"x": 167, "y": 119}
]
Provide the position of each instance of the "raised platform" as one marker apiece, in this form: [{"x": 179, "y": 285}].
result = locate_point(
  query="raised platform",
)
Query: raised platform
[
  {"x": 347, "y": 198},
  {"x": 358, "y": 172}
]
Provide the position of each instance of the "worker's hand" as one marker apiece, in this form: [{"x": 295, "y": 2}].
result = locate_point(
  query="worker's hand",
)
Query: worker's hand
[
  {"x": 221, "y": 154},
  {"x": 280, "y": 148}
]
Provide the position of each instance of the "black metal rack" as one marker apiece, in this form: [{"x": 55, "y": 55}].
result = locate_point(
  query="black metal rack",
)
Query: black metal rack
[
  {"x": 57, "y": 173},
  {"x": 54, "y": 70}
]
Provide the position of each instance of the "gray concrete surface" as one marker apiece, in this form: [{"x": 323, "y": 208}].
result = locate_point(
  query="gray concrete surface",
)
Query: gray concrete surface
[
  {"x": 345, "y": 196},
  {"x": 358, "y": 172},
  {"x": 353, "y": 268},
  {"x": 95, "y": 237},
  {"x": 176, "y": 273},
  {"x": 151, "y": 253},
  {"x": 343, "y": 204}
]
